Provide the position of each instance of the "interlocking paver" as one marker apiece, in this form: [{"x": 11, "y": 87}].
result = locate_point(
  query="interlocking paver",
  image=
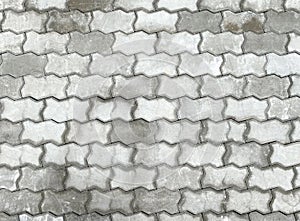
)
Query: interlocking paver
[
  {"x": 286, "y": 202},
  {"x": 134, "y": 5},
  {"x": 264, "y": 5},
  {"x": 243, "y": 22},
  {"x": 176, "y": 43},
  {"x": 110, "y": 22},
  {"x": 284, "y": 109},
  {"x": 64, "y": 22},
  {"x": 285, "y": 155},
  {"x": 10, "y": 87},
  {"x": 10, "y": 132},
  {"x": 199, "y": 21},
  {"x": 11, "y": 42},
  {"x": 292, "y": 4},
  {"x": 156, "y": 21},
  {"x": 14, "y": 5},
  {"x": 174, "y": 5},
  {"x": 294, "y": 43},
  {"x": 221, "y": 43},
  {"x": 135, "y": 217},
  {"x": 282, "y": 22},
  {"x": 90, "y": 5},
  {"x": 24, "y": 21},
  {"x": 9, "y": 178},
  {"x": 42, "y": 5},
  {"x": 219, "y": 5},
  {"x": 283, "y": 65},
  {"x": 229, "y": 216}
]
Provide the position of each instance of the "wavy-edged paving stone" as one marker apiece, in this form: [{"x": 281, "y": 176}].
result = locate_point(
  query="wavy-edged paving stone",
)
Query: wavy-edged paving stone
[
  {"x": 130, "y": 5},
  {"x": 45, "y": 42},
  {"x": 282, "y": 22},
  {"x": 223, "y": 86},
  {"x": 11, "y": 42},
  {"x": 64, "y": 22},
  {"x": 137, "y": 42},
  {"x": 158, "y": 64},
  {"x": 10, "y": 132},
  {"x": 247, "y": 154},
  {"x": 106, "y": 156},
  {"x": 41, "y": 5},
  {"x": 5, "y": 217},
  {"x": 224, "y": 177},
  {"x": 17, "y": 156},
  {"x": 156, "y": 154},
  {"x": 203, "y": 154},
  {"x": 178, "y": 217},
  {"x": 110, "y": 65},
  {"x": 295, "y": 87},
  {"x": 264, "y": 5},
  {"x": 86, "y": 217},
  {"x": 269, "y": 131},
  {"x": 14, "y": 5},
  {"x": 65, "y": 154},
  {"x": 151, "y": 110},
  {"x": 174, "y": 5},
  {"x": 248, "y": 108},
  {"x": 296, "y": 131},
  {"x": 179, "y": 131},
  {"x": 225, "y": 216},
  {"x": 221, "y": 43},
  {"x": 20, "y": 201},
  {"x": 240, "y": 65},
  {"x": 203, "y": 201},
  {"x": 90, "y": 5},
  {"x": 156, "y": 21},
  {"x": 265, "y": 43},
  {"x": 43, "y": 87},
  {"x": 292, "y": 4},
  {"x": 178, "y": 177},
  {"x": 21, "y": 109},
  {"x": 200, "y": 109},
  {"x": 61, "y": 111},
  {"x": 10, "y": 87},
  {"x": 41, "y": 179},
  {"x": 285, "y": 155},
  {"x": 199, "y": 21},
  {"x": 45, "y": 217},
  {"x": 39, "y": 133},
  {"x": 286, "y": 202},
  {"x": 90, "y": 86},
  {"x": 107, "y": 110},
  {"x": 134, "y": 217},
  {"x": 67, "y": 201},
  {"x": 270, "y": 178},
  {"x": 220, "y": 5},
  {"x": 9, "y": 179},
  {"x": 243, "y": 22},
  {"x": 177, "y": 43},
  {"x": 134, "y": 177},
  {"x": 287, "y": 109},
  {"x": 248, "y": 200},
  {"x": 24, "y": 21},
  {"x": 267, "y": 86},
  {"x": 133, "y": 131},
  {"x": 64, "y": 65},
  {"x": 21, "y": 65},
  {"x": 92, "y": 42},
  {"x": 201, "y": 64},
  {"x": 89, "y": 132},
  {"x": 109, "y": 22},
  {"x": 156, "y": 201},
  {"x": 86, "y": 178},
  {"x": 177, "y": 87},
  {"x": 272, "y": 216},
  {"x": 283, "y": 65},
  {"x": 115, "y": 200},
  {"x": 126, "y": 87}
]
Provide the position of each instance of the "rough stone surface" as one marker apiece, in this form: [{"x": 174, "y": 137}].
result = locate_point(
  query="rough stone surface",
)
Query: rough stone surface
[
  {"x": 64, "y": 22},
  {"x": 134, "y": 5},
  {"x": 22, "y": 65},
  {"x": 282, "y": 22},
  {"x": 11, "y": 42},
  {"x": 10, "y": 87},
  {"x": 264, "y": 5},
  {"x": 283, "y": 65},
  {"x": 219, "y": 5},
  {"x": 90, "y": 5},
  {"x": 199, "y": 21},
  {"x": 93, "y": 42},
  {"x": 174, "y": 5},
  {"x": 10, "y": 132},
  {"x": 265, "y": 43},
  {"x": 221, "y": 43}
]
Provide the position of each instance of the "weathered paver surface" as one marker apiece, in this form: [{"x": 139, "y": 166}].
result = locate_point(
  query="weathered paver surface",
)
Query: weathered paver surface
[{"x": 155, "y": 110}]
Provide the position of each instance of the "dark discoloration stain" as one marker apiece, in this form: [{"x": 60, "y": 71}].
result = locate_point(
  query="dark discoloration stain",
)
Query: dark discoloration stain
[
  {"x": 68, "y": 21},
  {"x": 232, "y": 27},
  {"x": 89, "y": 5},
  {"x": 253, "y": 25}
]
